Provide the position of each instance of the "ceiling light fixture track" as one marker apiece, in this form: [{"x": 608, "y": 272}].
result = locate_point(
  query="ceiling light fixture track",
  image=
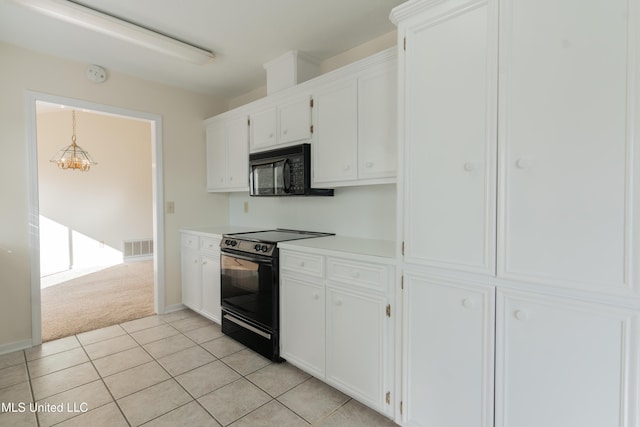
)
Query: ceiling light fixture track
[{"x": 103, "y": 23}]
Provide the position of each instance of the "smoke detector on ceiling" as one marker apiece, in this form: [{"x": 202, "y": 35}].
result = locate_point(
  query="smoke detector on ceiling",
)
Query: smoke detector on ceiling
[{"x": 96, "y": 73}]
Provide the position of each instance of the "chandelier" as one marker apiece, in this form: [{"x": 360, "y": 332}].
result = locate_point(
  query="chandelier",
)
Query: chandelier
[{"x": 73, "y": 156}]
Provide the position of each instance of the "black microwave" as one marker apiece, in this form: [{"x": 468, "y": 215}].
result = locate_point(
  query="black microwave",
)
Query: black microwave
[{"x": 283, "y": 172}]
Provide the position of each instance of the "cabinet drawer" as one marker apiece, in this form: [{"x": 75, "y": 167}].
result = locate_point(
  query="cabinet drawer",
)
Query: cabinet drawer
[
  {"x": 296, "y": 262},
  {"x": 209, "y": 244},
  {"x": 190, "y": 241},
  {"x": 356, "y": 273}
]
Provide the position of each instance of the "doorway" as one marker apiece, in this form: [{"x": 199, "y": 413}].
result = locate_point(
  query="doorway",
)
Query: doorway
[{"x": 86, "y": 245}]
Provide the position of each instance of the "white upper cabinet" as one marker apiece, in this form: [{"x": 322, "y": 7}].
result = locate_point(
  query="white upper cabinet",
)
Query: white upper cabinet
[
  {"x": 354, "y": 128},
  {"x": 335, "y": 137},
  {"x": 449, "y": 93},
  {"x": 228, "y": 155},
  {"x": 569, "y": 143},
  {"x": 263, "y": 129},
  {"x": 349, "y": 115},
  {"x": 377, "y": 123},
  {"x": 284, "y": 124},
  {"x": 294, "y": 120}
]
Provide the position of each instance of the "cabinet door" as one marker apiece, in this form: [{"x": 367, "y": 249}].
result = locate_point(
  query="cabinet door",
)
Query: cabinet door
[
  {"x": 335, "y": 133},
  {"x": 566, "y": 137},
  {"x": 302, "y": 337},
  {"x": 295, "y": 121},
  {"x": 563, "y": 363},
  {"x": 238, "y": 154},
  {"x": 191, "y": 282},
  {"x": 210, "y": 269},
  {"x": 216, "y": 155},
  {"x": 355, "y": 344},
  {"x": 377, "y": 136},
  {"x": 450, "y": 140},
  {"x": 263, "y": 129},
  {"x": 448, "y": 365}
]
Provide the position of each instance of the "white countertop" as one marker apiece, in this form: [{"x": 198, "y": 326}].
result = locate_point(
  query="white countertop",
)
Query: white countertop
[
  {"x": 218, "y": 230},
  {"x": 384, "y": 249},
  {"x": 371, "y": 249}
]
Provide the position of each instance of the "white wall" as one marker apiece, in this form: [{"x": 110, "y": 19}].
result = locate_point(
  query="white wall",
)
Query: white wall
[
  {"x": 367, "y": 212},
  {"x": 184, "y": 166}
]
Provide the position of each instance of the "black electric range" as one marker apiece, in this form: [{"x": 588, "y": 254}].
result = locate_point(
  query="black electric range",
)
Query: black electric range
[{"x": 250, "y": 287}]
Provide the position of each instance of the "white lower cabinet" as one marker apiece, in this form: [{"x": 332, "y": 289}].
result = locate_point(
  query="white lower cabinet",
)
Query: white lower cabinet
[
  {"x": 210, "y": 268},
  {"x": 355, "y": 343},
  {"x": 336, "y": 329},
  {"x": 201, "y": 275},
  {"x": 191, "y": 283},
  {"x": 302, "y": 316},
  {"x": 448, "y": 362},
  {"x": 561, "y": 362}
]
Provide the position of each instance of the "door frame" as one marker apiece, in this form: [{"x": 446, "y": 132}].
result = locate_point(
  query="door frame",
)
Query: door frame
[{"x": 33, "y": 197}]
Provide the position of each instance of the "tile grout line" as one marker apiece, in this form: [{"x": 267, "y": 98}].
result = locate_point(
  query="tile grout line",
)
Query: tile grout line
[
  {"x": 33, "y": 397},
  {"x": 105, "y": 386}
]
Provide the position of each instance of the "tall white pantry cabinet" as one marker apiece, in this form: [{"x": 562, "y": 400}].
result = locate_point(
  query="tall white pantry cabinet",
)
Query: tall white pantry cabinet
[{"x": 519, "y": 212}]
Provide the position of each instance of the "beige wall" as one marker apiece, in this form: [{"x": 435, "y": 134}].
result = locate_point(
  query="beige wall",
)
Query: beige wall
[
  {"x": 184, "y": 166},
  {"x": 376, "y": 45},
  {"x": 113, "y": 201}
]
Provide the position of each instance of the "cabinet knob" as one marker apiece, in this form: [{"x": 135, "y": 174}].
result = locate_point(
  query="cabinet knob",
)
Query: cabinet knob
[
  {"x": 368, "y": 165},
  {"x": 339, "y": 303},
  {"x": 468, "y": 303},
  {"x": 522, "y": 164},
  {"x": 316, "y": 296},
  {"x": 270, "y": 135},
  {"x": 521, "y": 314},
  {"x": 468, "y": 166},
  {"x": 355, "y": 274},
  {"x": 205, "y": 262},
  {"x": 195, "y": 261},
  {"x": 284, "y": 132},
  {"x": 346, "y": 168},
  {"x": 230, "y": 178},
  {"x": 301, "y": 263},
  {"x": 221, "y": 179}
]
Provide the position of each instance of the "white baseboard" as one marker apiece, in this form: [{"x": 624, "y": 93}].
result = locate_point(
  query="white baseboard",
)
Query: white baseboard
[
  {"x": 15, "y": 346},
  {"x": 172, "y": 308}
]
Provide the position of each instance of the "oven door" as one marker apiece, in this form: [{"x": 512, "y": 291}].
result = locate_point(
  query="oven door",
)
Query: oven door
[{"x": 249, "y": 286}]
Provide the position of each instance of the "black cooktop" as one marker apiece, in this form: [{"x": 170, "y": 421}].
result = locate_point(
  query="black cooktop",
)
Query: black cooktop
[{"x": 277, "y": 235}]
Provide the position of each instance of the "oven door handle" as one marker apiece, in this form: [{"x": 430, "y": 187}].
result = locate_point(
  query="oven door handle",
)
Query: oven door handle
[
  {"x": 255, "y": 258},
  {"x": 247, "y": 326}
]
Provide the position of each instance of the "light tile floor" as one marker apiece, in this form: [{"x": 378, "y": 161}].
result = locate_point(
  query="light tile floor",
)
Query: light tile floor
[{"x": 169, "y": 370}]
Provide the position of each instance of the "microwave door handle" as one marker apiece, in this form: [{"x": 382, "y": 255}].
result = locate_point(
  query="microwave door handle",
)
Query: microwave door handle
[{"x": 286, "y": 176}]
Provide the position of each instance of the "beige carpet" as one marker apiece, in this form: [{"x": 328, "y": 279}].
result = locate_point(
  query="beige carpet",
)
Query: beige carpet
[{"x": 104, "y": 298}]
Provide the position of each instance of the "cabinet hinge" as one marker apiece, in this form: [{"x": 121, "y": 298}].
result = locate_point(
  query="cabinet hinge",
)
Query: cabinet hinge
[
  {"x": 311, "y": 128},
  {"x": 311, "y": 103},
  {"x": 388, "y": 398},
  {"x": 248, "y": 122},
  {"x": 402, "y": 282},
  {"x": 403, "y": 247},
  {"x": 405, "y": 44},
  {"x": 401, "y": 407},
  {"x": 388, "y": 310}
]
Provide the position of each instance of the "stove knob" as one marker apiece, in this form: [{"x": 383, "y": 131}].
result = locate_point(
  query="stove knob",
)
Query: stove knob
[
  {"x": 234, "y": 243},
  {"x": 257, "y": 248},
  {"x": 265, "y": 248},
  {"x": 226, "y": 242}
]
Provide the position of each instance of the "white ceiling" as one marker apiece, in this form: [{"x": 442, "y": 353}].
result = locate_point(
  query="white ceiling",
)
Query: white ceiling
[{"x": 244, "y": 34}]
